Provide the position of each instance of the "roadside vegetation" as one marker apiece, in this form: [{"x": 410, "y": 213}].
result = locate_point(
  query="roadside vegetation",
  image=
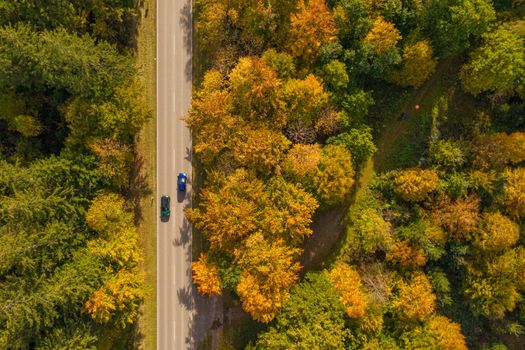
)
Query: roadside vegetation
[
  {"x": 70, "y": 109},
  {"x": 291, "y": 107}
]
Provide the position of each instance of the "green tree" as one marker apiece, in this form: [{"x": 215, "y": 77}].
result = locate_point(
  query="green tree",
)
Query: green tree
[
  {"x": 418, "y": 65},
  {"x": 313, "y": 317},
  {"x": 498, "y": 65},
  {"x": 359, "y": 142}
]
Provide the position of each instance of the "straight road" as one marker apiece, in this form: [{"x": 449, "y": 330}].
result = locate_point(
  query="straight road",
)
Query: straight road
[{"x": 175, "y": 294}]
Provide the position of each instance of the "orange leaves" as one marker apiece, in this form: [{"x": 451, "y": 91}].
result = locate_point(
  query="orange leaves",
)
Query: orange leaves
[
  {"x": 302, "y": 161},
  {"x": 304, "y": 99},
  {"x": 498, "y": 150},
  {"x": 459, "y": 218},
  {"x": 406, "y": 255},
  {"x": 269, "y": 271},
  {"x": 347, "y": 282},
  {"x": 311, "y": 26},
  {"x": 206, "y": 276},
  {"x": 120, "y": 296},
  {"x": 415, "y": 300},
  {"x": 383, "y": 36},
  {"x": 415, "y": 184}
]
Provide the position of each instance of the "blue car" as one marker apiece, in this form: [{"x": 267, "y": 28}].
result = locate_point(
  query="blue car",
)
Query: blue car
[{"x": 181, "y": 181}]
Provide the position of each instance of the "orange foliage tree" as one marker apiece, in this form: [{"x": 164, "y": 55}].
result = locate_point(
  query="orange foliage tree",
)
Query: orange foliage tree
[
  {"x": 311, "y": 26},
  {"x": 304, "y": 99},
  {"x": 415, "y": 184},
  {"x": 206, "y": 276},
  {"x": 458, "y": 218},
  {"x": 347, "y": 282},
  {"x": 498, "y": 150},
  {"x": 406, "y": 255},
  {"x": 383, "y": 36},
  {"x": 301, "y": 161},
  {"x": 269, "y": 271}
]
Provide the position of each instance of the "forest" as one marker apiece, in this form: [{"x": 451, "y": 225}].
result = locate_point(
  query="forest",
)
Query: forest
[
  {"x": 70, "y": 107},
  {"x": 407, "y": 114}
]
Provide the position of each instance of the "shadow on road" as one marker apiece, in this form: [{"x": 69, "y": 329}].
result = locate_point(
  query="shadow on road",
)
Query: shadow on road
[{"x": 186, "y": 24}]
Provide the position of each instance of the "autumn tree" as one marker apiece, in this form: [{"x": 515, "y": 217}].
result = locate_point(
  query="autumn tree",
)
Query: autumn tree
[
  {"x": 496, "y": 233},
  {"x": 304, "y": 99},
  {"x": 106, "y": 212},
  {"x": 301, "y": 161},
  {"x": 367, "y": 231},
  {"x": 269, "y": 271},
  {"x": 347, "y": 282},
  {"x": 448, "y": 333},
  {"x": 206, "y": 276},
  {"x": 497, "y": 65},
  {"x": 114, "y": 160},
  {"x": 498, "y": 150},
  {"x": 383, "y": 36},
  {"x": 459, "y": 217},
  {"x": 311, "y": 26},
  {"x": 230, "y": 212},
  {"x": 514, "y": 192},
  {"x": 118, "y": 300},
  {"x": 415, "y": 300},
  {"x": 416, "y": 184},
  {"x": 260, "y": 149},
  {"x": 447, "y": 153},
  {"x": 406, "y": 255},
  {"x": 255, "y": 89},
  {"x": 418, "y": 65},
  {"x": 335, "y": 175}
]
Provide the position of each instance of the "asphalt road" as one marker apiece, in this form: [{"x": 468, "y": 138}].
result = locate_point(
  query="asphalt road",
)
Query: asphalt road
[{"x": 175, "y": 294}]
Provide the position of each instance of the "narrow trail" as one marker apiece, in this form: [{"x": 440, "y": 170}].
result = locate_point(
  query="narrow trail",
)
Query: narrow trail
[{"x": 328, "y": 226}]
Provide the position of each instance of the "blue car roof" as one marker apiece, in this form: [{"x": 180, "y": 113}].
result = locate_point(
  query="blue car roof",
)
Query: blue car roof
[{"x": 181, "y": 175}]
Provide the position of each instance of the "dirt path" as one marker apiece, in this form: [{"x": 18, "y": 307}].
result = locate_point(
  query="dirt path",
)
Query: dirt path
[{"x": 328, "y": 226}]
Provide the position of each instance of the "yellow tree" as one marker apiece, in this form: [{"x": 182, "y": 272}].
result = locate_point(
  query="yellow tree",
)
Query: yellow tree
[
  {"x": 269, "y": 271},
  {"x": 256, "y": 93},
  {"x": 114, "y": 160},
  {"x": 260, "y": 149},
  {"x": 106, "y": 212},
  {"x": 311, "y": 26},
  {"x": 347, "y": 282},
  {"x": 415, "y": 184},
  {"x": 458, "y": 218},
  {"x": 335, "y": 175},
  {"x": 496, "y": 233},
  {"x": 448, "y": 333},
  {"x": 514, "y": 191},
  {"x": 304, "y": 99},
  {"x": 118, "y": 299},
  {"x": 415, "y": 300},
  {"x": 215, "y": 128},
  {"x": 301, "y": 161},
  {"x": 418, "y": 65},
  {"x": 383, "y": 36},
  {"x": 206, "y": 276},
  {"x": 231, "y": 211}
]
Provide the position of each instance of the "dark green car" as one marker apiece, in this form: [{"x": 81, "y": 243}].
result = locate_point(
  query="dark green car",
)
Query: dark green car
[{"x": 165, "y": 206}]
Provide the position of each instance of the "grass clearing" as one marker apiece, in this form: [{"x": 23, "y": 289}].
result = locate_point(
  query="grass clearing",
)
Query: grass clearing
[{"x": 145, "y": 175}]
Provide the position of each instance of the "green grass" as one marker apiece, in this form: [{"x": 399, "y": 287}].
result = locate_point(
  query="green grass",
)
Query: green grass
[{"x": 146, "y": 328}]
